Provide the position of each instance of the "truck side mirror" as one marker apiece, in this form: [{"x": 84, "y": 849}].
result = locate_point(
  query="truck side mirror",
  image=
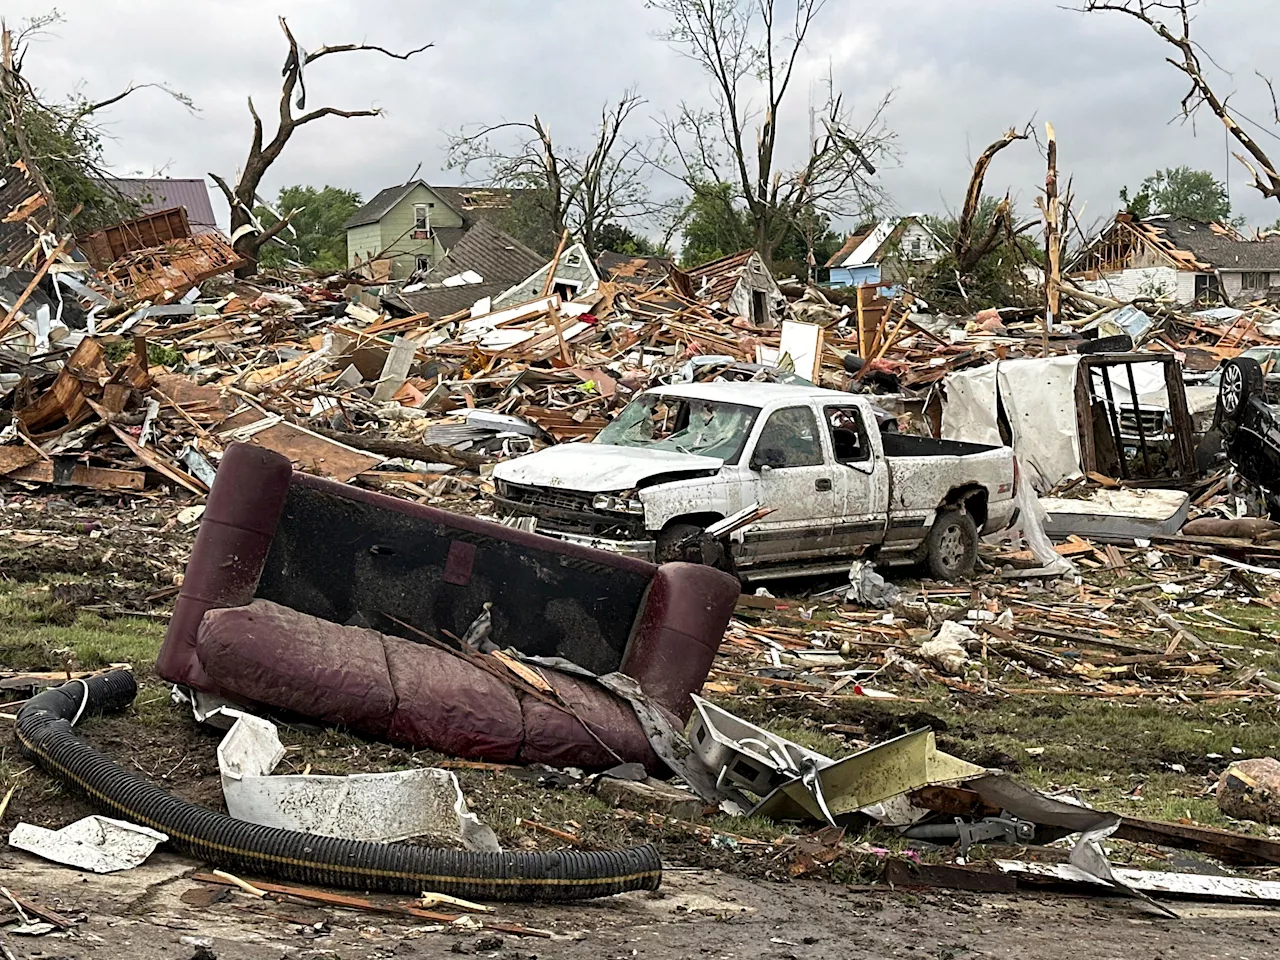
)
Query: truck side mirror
[{"x": 769, "y": 458}]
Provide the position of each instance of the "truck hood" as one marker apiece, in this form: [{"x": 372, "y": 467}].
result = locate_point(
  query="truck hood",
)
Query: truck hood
[{"x": 599, "y": 467}]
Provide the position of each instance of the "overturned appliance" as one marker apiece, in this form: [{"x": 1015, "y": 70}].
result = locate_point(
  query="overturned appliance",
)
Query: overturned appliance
[{"x": 310, "y": 596}]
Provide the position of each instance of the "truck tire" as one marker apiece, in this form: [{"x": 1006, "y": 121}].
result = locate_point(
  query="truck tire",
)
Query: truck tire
[
  {"x": 951, "y": 549},
  {"x": 1241, "y": 380},
  {"x": 687, "y": 543}
]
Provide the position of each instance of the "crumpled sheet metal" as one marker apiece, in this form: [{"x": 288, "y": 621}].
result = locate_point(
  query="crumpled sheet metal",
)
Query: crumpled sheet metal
[{"x": 425, "y": 802}]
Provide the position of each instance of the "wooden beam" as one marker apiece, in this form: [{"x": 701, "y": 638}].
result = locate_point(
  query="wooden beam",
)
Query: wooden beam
[{"x": 96, "y": 478}]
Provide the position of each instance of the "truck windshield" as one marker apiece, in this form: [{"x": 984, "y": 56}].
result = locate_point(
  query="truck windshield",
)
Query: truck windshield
[{"x": 684, "y": 426}]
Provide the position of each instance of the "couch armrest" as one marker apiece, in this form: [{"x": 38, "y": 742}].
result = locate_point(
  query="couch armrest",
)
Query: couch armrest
[
  {"x": 230, "y": 551},
  {"x": 677, "y": 632}
]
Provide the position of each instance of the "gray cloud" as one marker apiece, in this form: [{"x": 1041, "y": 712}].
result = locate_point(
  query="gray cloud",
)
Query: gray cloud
[{"x": 961, "y": 72}]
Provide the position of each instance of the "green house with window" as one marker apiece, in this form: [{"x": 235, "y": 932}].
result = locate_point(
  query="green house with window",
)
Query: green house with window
[{"x": 412, "y": 226}]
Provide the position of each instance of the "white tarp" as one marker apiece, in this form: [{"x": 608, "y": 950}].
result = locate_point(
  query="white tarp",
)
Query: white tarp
[
  {"x": 97, "y": 844},
  {"x": 426, "y": 802},
  {"x": 1039, "y": 400}
]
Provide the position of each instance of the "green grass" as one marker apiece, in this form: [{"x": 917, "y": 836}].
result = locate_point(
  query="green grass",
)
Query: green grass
[
  {"x": 39, "y": 631},
  {"x": 1118, "y": 755}
]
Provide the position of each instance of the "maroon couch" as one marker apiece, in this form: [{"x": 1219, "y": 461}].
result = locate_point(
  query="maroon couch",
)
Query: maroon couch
[{"x": 312, "y": 596}]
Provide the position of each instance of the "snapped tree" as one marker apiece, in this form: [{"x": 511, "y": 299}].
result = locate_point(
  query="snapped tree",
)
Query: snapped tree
[
  {"x": 1171, "y": 21},
  {"x": 60, "y": 141},
  {"x": 1180, "y": 192},
  {"x": 562, "y": 187},
  {"x": 248, "y": 234},
  {"x": 314, "y": 236},
  {"x": 750, "y": 49}
]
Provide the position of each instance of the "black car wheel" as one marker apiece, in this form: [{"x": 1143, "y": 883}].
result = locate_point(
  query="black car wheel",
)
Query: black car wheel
[
  {"x": 952, "y": 545},
  {"x": 1241, "y": 380}
]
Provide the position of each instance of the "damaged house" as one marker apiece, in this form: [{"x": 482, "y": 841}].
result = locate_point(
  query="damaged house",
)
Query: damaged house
[
  {"x": 1176, "y": 259},
  {"x": 740, "y": 284},
  {"x": 884, "y": 251},
  {"x": 410, "y": 227},
  {"x": 485, "y": 263}
]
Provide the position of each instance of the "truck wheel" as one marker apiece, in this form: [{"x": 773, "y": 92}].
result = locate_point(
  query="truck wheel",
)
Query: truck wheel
[
  {"x": 687, "y": 543},
  {"x": 1241, "y": 379},
  {"x": 952, "y": 545}
]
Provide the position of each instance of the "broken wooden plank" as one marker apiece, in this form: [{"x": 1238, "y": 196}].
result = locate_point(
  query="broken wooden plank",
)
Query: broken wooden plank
[{"x": 79, "y": 475}]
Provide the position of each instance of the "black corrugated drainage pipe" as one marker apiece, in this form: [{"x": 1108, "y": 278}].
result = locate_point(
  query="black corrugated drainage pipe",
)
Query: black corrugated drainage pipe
[{"x": 45, "y": 733}]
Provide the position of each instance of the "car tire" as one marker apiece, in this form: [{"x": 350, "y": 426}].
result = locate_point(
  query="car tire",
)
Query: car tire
[
  {"x": 951, "y": 549},
  {"x": 1242, "y": 380}
]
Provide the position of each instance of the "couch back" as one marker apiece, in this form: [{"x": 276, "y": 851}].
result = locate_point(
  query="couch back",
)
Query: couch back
[{"x": 356, "y": 557}]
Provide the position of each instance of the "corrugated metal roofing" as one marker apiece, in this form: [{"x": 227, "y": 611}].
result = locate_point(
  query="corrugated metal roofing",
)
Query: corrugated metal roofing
[{"x": 162, "y": 193}]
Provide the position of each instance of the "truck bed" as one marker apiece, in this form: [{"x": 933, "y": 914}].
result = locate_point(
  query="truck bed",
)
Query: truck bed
[{"x": 905, "y": 445}]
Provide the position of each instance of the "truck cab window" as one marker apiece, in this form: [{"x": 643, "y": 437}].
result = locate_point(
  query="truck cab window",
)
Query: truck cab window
[
  {"x": 789, "y": 439},
  {"x": 848, "y": 435}
]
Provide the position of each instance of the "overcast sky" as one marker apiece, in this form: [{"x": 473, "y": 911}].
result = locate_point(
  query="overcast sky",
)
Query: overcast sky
[{"x": 961, "y": 73}]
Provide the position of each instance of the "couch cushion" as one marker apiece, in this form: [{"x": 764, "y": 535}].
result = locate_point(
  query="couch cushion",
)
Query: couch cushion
[{"x": 271, "y": 654}]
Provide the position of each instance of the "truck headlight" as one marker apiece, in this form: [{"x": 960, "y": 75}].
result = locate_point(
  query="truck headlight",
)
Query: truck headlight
[{"x": 614, "y": 504}]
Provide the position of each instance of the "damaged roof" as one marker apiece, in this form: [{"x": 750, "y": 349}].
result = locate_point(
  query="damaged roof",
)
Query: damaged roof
[
  {"x": 1186, "y": 244},
  {"x": 472, "y": 204},
  {"x": 1215, "y": 244},
  {"x": 155, "y": 194},
  {"x": 498, "y": 258},
  {"x": 869, "y": 243},
  {"x": 639, "y": 273},
  {"x": 715, "y": 282}
]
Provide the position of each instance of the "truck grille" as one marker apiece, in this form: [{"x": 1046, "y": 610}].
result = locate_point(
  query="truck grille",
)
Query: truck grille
[
  {"x": 1152, "y": 422},
  {"x": 567, "y": 511}
]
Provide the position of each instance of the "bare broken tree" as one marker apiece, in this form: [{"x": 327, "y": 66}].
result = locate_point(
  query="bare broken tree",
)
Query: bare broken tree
[
  {"x": 749, "y": 54},
  {"x": 1159, "y": 15},
  {"x": 249, "y": 236},
  {"x": 969, "y": 251},
  {"x": 574, "y": 190}
]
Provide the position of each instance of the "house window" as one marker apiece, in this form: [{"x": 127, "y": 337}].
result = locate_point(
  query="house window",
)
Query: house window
[
  {"x": 1207, "y": 286},
  {"x": 421, "y": 219},
  {"x": 917, "y": 248},
  {"x": 572, "y": 260},
  {"x": 423, "y": 263},
  {"x": 1255, "y": 280}
]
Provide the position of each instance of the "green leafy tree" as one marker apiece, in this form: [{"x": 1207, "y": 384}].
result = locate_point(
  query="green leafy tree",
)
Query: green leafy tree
[
  {"x": 60, "y": 141},
  {"x": 716, "y": 225},
  {"x": 1180, "y": 192},
  {"x": 314, "y": 236},
  {"x": 616, "y": 238},
  {"x": 998, "y": 278}
]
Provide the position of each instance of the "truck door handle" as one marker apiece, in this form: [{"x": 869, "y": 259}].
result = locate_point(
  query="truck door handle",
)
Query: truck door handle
[{"x": 823, "y": 483}]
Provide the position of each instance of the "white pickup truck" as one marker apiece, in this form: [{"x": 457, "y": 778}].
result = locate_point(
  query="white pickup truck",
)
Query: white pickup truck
[{"x": 678, "y": 459}]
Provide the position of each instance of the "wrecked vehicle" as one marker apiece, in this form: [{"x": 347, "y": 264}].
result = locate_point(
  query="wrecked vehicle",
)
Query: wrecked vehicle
[
  {"x": 1250, "y": 427},
  {"x": 679, "y": 459}
]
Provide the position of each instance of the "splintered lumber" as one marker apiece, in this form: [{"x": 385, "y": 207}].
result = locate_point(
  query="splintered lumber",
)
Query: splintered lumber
[
  {"x": 280, "y": 890},
  {"x": 96, "y": 478},
  {"x": 428, "y": 452}
]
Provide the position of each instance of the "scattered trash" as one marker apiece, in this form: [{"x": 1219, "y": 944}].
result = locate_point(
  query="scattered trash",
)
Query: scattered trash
[
  {"x": 97, "y": 844},
  {"x": 1250, "y": 790},
  {"x": 425, "y": 802}
]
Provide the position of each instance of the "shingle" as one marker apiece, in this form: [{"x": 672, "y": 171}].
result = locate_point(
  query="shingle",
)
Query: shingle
[{"x": 380, "y": 205}]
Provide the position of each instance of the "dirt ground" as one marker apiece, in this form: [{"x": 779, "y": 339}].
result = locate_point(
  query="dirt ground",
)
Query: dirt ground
[
  {"x": 85, "y": 584},
  {"x": 142, "y": 915}
]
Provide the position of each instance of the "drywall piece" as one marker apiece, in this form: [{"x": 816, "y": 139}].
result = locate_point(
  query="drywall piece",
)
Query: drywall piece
[
  {"x": 803, "y": 343},
  {"x": 97, "y": 844},
  {"x": 1117, "y": 515},
  {"x": 425, "y": 802}
]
